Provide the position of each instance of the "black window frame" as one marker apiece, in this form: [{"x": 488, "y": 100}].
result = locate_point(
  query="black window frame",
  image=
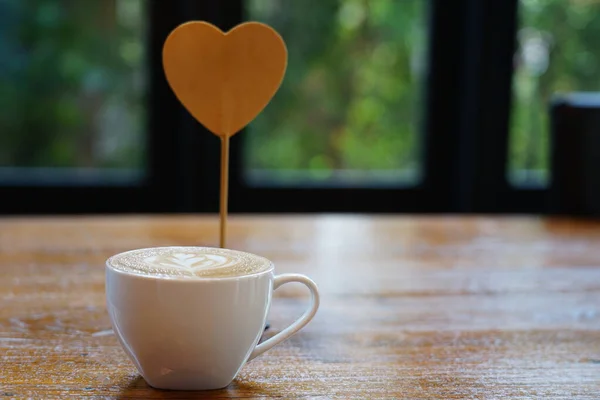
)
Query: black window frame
[
  {"x": 490, "y": 45},
  {"x": 465, "y": 133}
]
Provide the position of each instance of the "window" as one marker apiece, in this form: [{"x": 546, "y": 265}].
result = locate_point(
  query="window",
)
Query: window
[
  {"x": 72, "y": 86},
  {"x": 387, "y": 106},
  {"x": 83, "y": 110},
  {"x": 557, "y": 53},
  {"x": 349, "y": 111},
  {"x": 362, "y": 119}
]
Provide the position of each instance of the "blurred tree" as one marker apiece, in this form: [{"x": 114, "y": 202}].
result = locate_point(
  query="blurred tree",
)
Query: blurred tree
[
  {"x": 557, "y": 54},
  {"x": 351, "y": 99},
  {"x": 68, "y": 94}
]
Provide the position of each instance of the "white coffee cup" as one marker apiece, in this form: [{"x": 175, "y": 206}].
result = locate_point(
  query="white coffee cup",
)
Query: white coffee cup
[{"x": 196, "y": 334}]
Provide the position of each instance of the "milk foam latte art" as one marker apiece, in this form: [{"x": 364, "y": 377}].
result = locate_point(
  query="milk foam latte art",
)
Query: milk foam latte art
[{"x": 189, "y": 262}]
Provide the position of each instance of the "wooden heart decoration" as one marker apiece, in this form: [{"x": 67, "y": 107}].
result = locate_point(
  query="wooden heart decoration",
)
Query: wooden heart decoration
[{"x": 224, "y": 79}]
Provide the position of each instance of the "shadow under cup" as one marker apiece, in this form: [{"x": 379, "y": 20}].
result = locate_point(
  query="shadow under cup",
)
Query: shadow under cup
[{"x": 195, "y": 334}]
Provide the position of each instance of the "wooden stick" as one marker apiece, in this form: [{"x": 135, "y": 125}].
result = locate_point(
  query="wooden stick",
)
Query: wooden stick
[{"x": 224, "y": 188}]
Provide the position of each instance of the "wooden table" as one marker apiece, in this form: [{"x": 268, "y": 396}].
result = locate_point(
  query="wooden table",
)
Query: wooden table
[{"x": 424, "y": 307}]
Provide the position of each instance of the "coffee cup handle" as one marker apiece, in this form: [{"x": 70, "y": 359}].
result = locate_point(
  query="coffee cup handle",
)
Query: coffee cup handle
[{"x": 300, "y": 322}]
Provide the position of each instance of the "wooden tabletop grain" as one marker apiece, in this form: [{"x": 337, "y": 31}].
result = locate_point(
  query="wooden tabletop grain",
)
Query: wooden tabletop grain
[{"x": 412, "y": 307}]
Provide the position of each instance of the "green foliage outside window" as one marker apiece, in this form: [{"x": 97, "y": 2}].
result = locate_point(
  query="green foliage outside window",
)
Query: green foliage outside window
[
  {"x": 72, "y": 84},
  {"x": 558, "y": 53}
]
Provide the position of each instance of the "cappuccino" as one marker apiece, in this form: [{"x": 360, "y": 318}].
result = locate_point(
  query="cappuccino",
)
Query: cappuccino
[{"x": 189, "y": 262}]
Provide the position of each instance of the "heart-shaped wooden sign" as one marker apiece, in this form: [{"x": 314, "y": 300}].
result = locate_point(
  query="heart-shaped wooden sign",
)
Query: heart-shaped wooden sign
[{"x": 224, "y": 79}]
